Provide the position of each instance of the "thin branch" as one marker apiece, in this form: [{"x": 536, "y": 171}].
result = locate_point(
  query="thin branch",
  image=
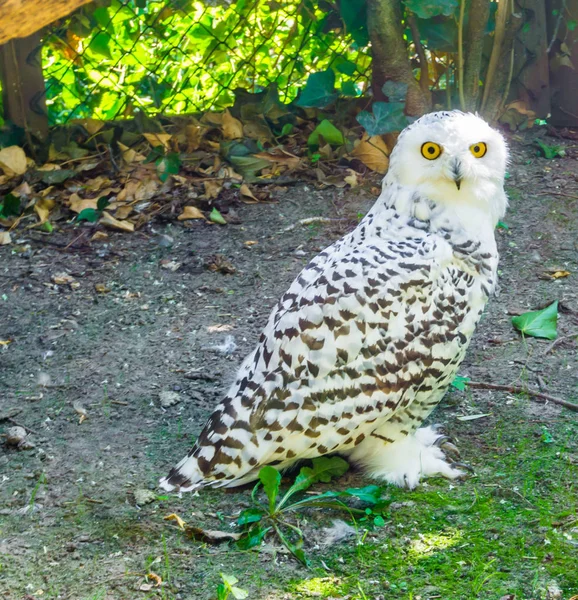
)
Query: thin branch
[
  {"x": 515, "y": 389},
  {"x": 461, "y": 55},
  {"x": 560, "y": 339},
  {"x": 557, "y": 27}
]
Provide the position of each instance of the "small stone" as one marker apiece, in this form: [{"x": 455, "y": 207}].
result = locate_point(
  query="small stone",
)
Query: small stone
[
  {"x": 15, "y": 436},
  {"x": 143, "y": 497},
  {"x": 169, "y": 398},
  {"x": 166, "y": 241}
]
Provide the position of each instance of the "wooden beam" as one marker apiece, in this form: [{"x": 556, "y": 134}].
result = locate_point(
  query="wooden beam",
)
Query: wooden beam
[
  {"x": 21, "y": 18},
  {"x": 23, "y": 90}
]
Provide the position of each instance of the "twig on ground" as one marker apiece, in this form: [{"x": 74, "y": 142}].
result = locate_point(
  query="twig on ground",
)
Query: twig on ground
[
  {"x": 560, "y": 339},
  {"x": 515, "y": 389},
  {"x": 119, "y": 402},
  {"x": 14, "y": 422},
  {"x": 310, "y": 221},
  {"x": 558, "y": 194}
]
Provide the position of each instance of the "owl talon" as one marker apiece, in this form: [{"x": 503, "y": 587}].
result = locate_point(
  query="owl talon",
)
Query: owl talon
[{"x": 461, "y": 465}]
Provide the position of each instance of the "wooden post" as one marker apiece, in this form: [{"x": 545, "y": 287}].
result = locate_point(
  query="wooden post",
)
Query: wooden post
[{"x": 23, "y": 90}]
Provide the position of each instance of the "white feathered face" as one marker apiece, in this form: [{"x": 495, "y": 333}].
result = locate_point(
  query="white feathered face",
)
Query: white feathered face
[{"x": 452, "y": 157}]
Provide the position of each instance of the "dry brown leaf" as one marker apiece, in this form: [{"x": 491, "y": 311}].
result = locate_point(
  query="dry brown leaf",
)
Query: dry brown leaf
[
  {"x": 49, "y": 167},
  {"x": 80, "y": 411},
  {"x": 352, "y": 179},
  {"x": 108, "y": 220},
  {"x": 257, "y": 131},
  {"x": 5, "y": 238},
  {"x": 247, "y": 193},
  {"x": 77, "y": 204},
  {"x": 99, "y": 235},
  {"x": 158, "y": 139},
  {"x": 156, "y": 578},
  {"x": 63, "y": 279},
  {"x": 212, "y": 536},
  {"x": 22, "y": 190},
  {"x": 212, "y": 189},
  {"x": 373, "y": 153},
  {"x": 43, "y": 207},
  {"x": 278, "y": 155},
  {"x": 92, "y": 126},
  {"x": 193, "y": 137},
  {"x": 555, "y": 274},
  {"x": 232, "y": 128},
  {"x": 101, "y": 288},
  {"x": 191, "y": 212},
  {"x": 13, "y": 161},
  {"x": 129, "y": 155},
  {"x": 212, "y": 118},
  {"x": 250, "y": 243},
  {"x": 122, "y": 212},
  {"x": 175, "y": 517}
]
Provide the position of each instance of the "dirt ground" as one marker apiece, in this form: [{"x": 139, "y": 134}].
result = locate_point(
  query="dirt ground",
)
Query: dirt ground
[{"x": 88, "y": 364}]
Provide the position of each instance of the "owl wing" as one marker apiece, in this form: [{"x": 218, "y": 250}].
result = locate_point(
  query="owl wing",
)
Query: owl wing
[{"x": 360, "y": 334}]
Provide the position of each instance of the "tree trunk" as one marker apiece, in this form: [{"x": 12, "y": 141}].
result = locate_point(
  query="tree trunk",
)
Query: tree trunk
[
  {"x": 478, "y": 15},
  {"x": 390, "y": 60}
]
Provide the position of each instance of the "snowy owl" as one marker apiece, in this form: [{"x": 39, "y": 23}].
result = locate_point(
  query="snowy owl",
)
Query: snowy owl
[{"x": 365, "y": 342}]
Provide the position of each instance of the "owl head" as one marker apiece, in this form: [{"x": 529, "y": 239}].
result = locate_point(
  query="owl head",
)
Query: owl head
[{"x": 454, "y": 159}]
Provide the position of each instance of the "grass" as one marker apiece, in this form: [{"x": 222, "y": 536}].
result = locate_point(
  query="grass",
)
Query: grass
[{"x": 511, "y": 529}]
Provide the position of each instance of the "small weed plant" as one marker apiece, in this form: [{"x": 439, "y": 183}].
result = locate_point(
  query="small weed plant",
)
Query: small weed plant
[{"x": 275, "y": 515}]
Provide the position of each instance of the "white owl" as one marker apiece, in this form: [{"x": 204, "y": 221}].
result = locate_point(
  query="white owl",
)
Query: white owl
[{"x": 367, "y": 339}]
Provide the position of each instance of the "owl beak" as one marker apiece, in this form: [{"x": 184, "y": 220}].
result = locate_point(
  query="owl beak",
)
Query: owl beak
[{"x": 456, "y": 171}]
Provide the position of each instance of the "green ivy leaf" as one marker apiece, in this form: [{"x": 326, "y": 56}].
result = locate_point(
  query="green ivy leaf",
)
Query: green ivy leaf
[
  {"x": 329, "y": 132},
  {"x": 10, "y": 206},
  {"x": 271, "y": 480},
  {"x": 426, "y": 9},
  {"x": 354, "y": 15},
  {"x": 396, "y": 91},
  {"x": 319, "y": 90},
  {"x": 379, "y": 521},
  {"x": 539, "y": 323},
  {"x": 460, "y": 383},
  {"x": 56, "y": 176},
  {"x": 345, "y": 66},
  {"x": 89, "y": 214},
  {"x": 385, "y": 118}
]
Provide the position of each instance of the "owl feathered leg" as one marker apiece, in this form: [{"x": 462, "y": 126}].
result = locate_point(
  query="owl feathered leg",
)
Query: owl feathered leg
[{"x": 405, "y": 460}]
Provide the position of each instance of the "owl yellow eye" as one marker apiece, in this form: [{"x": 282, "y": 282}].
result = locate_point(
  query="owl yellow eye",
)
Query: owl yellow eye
[
  {"x": 479, "y": 149},
  {"x": 431, "y": 150}
]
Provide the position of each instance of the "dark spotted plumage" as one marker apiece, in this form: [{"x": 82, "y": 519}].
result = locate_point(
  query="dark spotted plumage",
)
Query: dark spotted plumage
[{"x": 367, "y": 339}]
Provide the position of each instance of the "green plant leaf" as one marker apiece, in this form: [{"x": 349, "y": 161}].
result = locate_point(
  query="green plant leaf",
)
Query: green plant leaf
[
  {"x": 354, "y": 15},
  {"x": 319, "y": 90},
  {"x": 550, "y": 152},
  {"x": 56, "y": 176},
  {"x": 326, "y": 468},
  {"x": 250, "y": 515},
  {"x": 89, "y": 214},
  {"x": 379, "y": 521},
  {"x": 216, "y": 217},
  {"x": 395, "y": 91},
  {"x": 460, "y": 383},
  {"x": 502, "y": 225},
  {"x": 238, "y": 593},
  {"x": 10, "y": 206},
  {"x": 253, "y": 538},
  {"x": 222, "y": 592},
  {"x": 102, "y": 203},
  {"x": 271, "y": 480},
  {"x": 100, "y": 44},
  {"x": 348, "y": 89},
  {"x": 329, "y": 132},
  {"x": 439, "y": 34},
  {"x": 248, "y": 166},
  {"x": 385, "y": 118},
  {"x": 539, "y": 323},
  {"x": 426, "y": 9},
  {"x": 168, "y": 165},
  {"x": 229, "y": 580}
]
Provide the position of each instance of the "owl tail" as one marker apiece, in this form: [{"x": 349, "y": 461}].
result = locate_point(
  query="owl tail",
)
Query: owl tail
[{"x": 184, "y": 477}]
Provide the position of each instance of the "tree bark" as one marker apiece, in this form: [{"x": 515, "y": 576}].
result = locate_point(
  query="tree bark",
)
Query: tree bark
[
  {"x": 390, "y": 60},
  {"x": 478, "y": 15}
]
